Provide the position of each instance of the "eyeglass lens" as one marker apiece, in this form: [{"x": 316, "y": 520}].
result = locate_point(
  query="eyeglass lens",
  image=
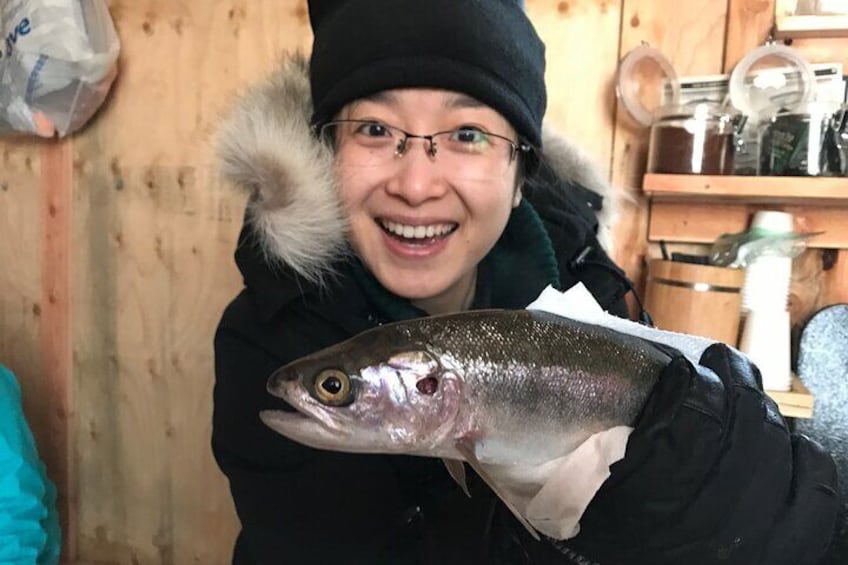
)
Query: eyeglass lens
[{"x": 466, "y": 152}]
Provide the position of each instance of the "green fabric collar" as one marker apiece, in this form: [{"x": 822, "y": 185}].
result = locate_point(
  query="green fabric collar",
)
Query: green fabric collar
[{"x": 515, "y": 271}]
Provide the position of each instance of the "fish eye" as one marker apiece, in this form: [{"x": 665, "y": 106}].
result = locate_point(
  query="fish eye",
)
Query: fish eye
[{"x": 332, "y": 387}]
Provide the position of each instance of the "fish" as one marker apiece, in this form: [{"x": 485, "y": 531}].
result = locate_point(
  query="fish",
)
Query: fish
[{"x": 505, "y": 391}]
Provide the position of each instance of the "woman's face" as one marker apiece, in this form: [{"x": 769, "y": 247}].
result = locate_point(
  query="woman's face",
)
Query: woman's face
[{"x": 421, "y": 222}]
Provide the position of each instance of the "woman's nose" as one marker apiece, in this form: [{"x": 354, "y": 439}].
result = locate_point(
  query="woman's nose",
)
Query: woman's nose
[{"x": 418, "y": 176}]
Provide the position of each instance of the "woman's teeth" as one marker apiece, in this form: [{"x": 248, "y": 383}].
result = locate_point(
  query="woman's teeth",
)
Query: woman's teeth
[{"x": 417, "y": 232}]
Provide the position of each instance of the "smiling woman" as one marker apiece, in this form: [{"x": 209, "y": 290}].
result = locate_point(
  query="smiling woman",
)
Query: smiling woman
[{"x": 403, "y": 173}]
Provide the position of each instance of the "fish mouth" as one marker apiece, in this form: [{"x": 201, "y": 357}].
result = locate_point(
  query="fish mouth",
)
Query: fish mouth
[
  {"x": 284, "y": 419},
  {"x": 303, "y": 428}
]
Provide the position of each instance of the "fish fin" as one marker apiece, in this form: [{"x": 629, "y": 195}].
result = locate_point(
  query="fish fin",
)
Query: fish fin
[
  {"x": 467, "y": 450},
  {"x": 456, "y": 469}
]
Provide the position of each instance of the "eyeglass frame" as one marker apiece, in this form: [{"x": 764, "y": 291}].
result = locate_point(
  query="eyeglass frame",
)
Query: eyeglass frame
[{"x": 516, "y": 146}]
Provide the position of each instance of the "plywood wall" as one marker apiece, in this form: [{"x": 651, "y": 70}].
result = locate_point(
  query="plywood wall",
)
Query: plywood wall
[
  {"x": 116, "y": 245},
  {"x": 154, "y": 234}
]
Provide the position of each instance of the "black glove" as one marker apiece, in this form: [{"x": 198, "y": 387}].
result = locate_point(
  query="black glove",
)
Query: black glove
[{"x": 712, "y": 475}]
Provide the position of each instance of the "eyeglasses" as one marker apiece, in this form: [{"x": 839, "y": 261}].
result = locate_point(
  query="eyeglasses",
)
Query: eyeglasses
[{"x": 467, "y": 151}]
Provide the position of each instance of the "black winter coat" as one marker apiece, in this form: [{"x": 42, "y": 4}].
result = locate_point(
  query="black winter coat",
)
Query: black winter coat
[{"x": 301, "y": 505}]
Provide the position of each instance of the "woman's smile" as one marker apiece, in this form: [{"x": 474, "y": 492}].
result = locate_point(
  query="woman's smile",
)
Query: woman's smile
[{"x": 415, "y": 239}]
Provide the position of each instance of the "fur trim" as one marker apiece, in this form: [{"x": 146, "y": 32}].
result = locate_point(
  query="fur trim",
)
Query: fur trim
[
  {"x": 572, "y": 163},
  {"x": 267, "y": 148}
]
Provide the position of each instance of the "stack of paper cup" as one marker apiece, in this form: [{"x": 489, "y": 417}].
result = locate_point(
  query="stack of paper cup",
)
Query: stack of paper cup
[{"x": 765, "y": 296}]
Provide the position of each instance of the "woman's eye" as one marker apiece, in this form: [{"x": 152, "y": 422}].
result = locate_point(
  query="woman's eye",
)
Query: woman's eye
[
  {"x": 469, "y": 135},
  {"x": 373, "y": 129}
]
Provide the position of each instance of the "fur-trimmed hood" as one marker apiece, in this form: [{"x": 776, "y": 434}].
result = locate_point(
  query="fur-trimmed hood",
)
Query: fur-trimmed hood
[{"x": 266, "y": 147}]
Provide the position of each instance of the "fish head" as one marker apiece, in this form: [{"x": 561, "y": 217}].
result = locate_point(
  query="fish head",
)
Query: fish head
[{"x": 368, "y": 397}]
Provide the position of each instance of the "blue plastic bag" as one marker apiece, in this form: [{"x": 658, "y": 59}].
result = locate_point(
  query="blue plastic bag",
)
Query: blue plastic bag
[{"x": 29, "y": 523}]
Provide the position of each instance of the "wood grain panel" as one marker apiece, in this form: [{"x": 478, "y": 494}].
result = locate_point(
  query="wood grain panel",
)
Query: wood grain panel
[
  {"x": 21, "y": 236},
  {"x": 835, "y": 284},
  {"x": 21, "y": 307},
  {"x": 693, "y": 40},
  {"x": 581, "y": 40},
  {"x": 824, "y": 50},
  {"x": 155, "y": 230}
]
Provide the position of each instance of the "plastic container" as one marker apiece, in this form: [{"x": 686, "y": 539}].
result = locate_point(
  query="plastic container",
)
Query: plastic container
[
  {"x": 769, "y": 79},
  {"x": 697, "y": 139},
  {"x": 694, "y": 138},
  {"x": 641, "y": 78},
  {"x": 798, "y": 143},
  {"x": 835, "y": 162}
]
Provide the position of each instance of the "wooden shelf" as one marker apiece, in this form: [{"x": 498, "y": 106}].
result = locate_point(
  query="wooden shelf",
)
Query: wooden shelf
[
  {"x": 812, "y": 26},
  {"x": 830, "y": 191},
  {"x": 794, "y": 403},
  {"x": 699, "y": 208},
  {"x": 789, "y": 24}
]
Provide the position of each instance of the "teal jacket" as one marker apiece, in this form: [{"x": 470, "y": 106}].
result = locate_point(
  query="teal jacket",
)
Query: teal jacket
[{"x": 29, "y": 523}]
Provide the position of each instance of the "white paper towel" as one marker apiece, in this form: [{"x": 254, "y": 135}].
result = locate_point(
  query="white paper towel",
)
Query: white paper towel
[{"x": 553, "y": 496}]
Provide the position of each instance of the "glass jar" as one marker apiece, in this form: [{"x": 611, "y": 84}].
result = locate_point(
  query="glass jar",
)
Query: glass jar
[
  {"x": 693, "y": 139},
  {"x": 804, "y": 142}
]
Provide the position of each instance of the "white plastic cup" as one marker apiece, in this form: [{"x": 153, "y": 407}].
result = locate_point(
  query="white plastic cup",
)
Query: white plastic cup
[
  {"x": 773, "y": 221},
  {"x": 765, "y": 297},
  {"x": 767, "y": 281},
  {"x": 767, "y": 278},
  {"x": 766, "y": 341}
]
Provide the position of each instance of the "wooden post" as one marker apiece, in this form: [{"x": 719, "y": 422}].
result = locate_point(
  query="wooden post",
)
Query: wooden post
[{"x": 57, "y": 184}]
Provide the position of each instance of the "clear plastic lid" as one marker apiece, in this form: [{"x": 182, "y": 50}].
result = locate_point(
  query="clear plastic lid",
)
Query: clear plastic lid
[
  {"x": 642, "y": 76},
  {"x": 812, "y": 109},
  {"x": 770, "y": 79},
  {"x": 701, "y": 111}
]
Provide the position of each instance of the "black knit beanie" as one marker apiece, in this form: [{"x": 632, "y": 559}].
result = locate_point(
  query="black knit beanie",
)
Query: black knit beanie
[{"x": 487, "y": 49}]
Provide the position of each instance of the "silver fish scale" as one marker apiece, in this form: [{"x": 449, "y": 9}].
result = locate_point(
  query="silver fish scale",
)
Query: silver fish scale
[{"x": 534, "y": 370}]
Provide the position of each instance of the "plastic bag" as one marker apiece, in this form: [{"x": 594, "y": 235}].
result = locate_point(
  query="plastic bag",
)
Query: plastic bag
[
  {"x": 58, "y": 59},
  {"x": 739, "y": 250}
]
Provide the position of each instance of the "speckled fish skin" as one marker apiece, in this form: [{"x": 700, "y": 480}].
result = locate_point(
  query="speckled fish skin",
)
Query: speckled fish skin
[{"x": 521, "y": 387}]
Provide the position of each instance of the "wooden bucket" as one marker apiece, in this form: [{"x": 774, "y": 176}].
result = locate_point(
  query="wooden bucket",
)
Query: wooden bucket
[{"x": 695, "y": 299}]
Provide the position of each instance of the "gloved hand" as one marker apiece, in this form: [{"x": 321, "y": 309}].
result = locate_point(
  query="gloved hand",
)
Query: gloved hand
[{"x": 712, "y": 475}]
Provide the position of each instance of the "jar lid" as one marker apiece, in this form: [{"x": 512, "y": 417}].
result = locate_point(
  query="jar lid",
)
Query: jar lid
[
  {"x": 811, "y": 108},
  {"x": 769, "y": 79},
  {"x": 696, "y": 110},
  {"x": 641, "y": 78}
]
